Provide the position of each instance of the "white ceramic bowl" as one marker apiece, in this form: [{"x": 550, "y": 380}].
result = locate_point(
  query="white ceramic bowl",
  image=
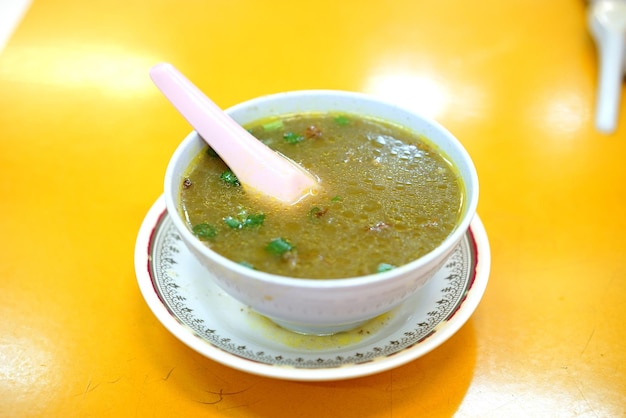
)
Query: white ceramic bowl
[{"x": 323, "y": 306}]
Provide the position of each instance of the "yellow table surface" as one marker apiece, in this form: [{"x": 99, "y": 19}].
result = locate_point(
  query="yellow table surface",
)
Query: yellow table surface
[{"x": 85, "y": 138}]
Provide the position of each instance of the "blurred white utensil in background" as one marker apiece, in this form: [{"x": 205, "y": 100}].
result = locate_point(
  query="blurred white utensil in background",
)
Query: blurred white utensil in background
[
  {"x": 11, "y": 14},
  {"x": 607, "y": 24}
]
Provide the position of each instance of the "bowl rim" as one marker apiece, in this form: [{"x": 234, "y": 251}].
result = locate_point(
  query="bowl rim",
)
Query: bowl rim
[{"x": 447, "y": 245}]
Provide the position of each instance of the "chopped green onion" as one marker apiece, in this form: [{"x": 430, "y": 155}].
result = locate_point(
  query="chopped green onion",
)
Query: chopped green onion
[
  {"x": 243, "y": 220},
  {"x": 336, "y": 199},
  {"x": 342, "y": 120},
  {"x": 254, "y": 220},
  {"x": 292, "y": 138},
  {"x": 279, "y": 246},
  {"x": 313, "y": 213},
  {"x": 232, "y": 222},
  {"x": 204, "y": 231},
  {"x": 382, "y": 267},
  {"x": 273, "y": 126},
  {"x": 316, "y": 212},
  {"x": 246, "y": 264},
  {"x": 229, "y": 177}
]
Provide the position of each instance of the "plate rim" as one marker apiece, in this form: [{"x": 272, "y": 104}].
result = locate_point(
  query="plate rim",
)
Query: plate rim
[{"x": 150, "y": 226}]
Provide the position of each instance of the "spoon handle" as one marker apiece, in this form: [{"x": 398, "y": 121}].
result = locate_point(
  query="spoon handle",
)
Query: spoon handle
[{"x": 256, "y": 165}]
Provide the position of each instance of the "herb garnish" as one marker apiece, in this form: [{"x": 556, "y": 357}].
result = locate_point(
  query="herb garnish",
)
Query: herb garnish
[
  {"x": 229, "y": 177},
  {"x": 204, "y": 231},
  {"x": 342, "y": 120},
  {"x": 245, "y": 220},
  {"x": 273, "y": 126},
  {"x": 246, "y": 264},
  {"x": 292, "y": 138},
  {"x": 279, "y": 246},
  {"x": 317, "y": 212},
  {"x": 383, "y": 267}
]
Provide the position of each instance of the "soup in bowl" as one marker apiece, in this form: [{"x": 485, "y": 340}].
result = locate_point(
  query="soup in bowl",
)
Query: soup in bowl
[{"x": 398, "y": 192}]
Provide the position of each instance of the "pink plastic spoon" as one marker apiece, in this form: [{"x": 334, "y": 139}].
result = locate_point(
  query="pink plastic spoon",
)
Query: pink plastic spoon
[{"x": 257, "y": 166}]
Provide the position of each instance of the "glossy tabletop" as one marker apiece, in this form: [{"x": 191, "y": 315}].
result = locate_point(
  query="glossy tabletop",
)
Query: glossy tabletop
[{"x": 85, "y": 138}]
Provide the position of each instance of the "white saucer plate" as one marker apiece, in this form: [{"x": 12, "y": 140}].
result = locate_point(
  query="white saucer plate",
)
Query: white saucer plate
[{"x": 182, "y": 295}]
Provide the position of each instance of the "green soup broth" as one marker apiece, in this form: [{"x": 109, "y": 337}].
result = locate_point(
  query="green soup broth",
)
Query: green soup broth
[{"x": 388, "y": 197}]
